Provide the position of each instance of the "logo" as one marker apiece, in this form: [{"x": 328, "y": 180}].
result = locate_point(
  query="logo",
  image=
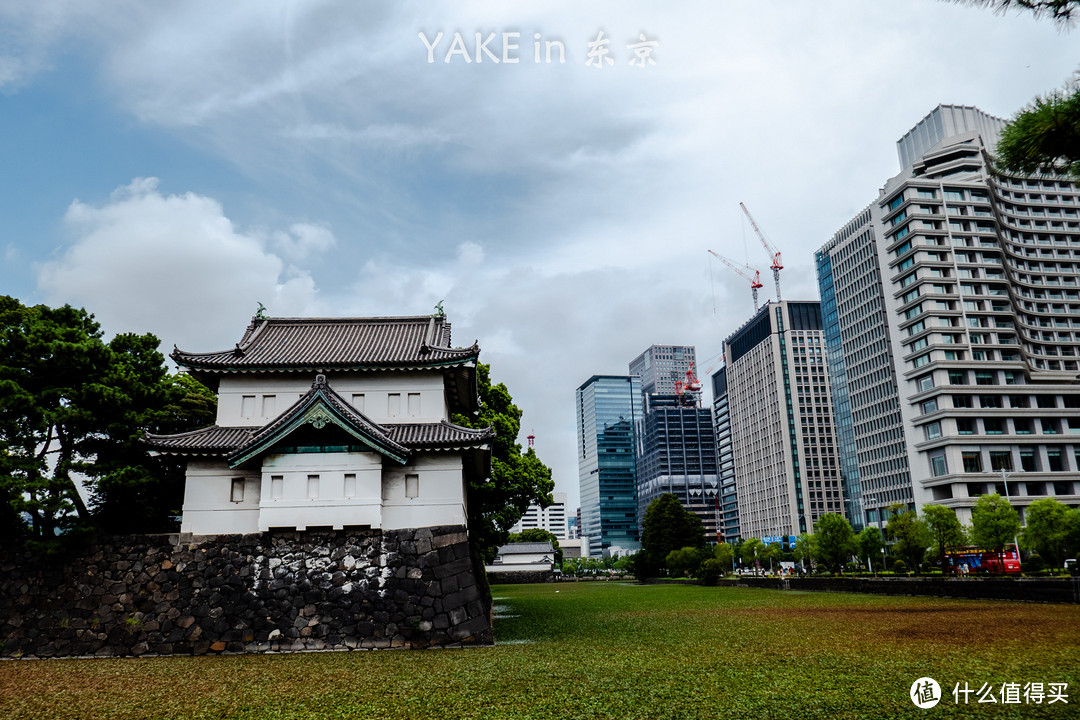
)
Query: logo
[{"x": 925, "y": 693}]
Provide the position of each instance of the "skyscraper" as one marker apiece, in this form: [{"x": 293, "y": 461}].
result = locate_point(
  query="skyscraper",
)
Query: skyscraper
[
  {"x": 725, "y": 459},
  {"x": 787, "y": 471},
  {"x": 608, "y": 407},
  {"x": 956, "y": 302},
  {"x": 661, "y": 367},
  {"x": 552, "y": 518},
  {"x": 676, "y": 453}
]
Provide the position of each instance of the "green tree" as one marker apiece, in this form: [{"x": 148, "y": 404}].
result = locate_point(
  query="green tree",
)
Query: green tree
[
  {"x": 994, "y": 524},
  {"x": 724, "y": 554},
  {"x": 1044, "y": 137},
  {"x": 750, "y": 552},
  {"x": 944, "y": 528},
  {"x": 910, "y": 536},
  {"x": 835, "y": 541},
  {"x": 73, "y": 405},
  {"x": 518, "y": 478},
  {"x": 870, "y": 543},
  {"x": 805, "y": 550},
  {"x": 1047, "y": 530},
  {"x": 686, "y": 560},
  {"x": 1061, "y": 12},
  {"x": 538, "y": 535},
  {"x": 667, "y": 526},
  {"x": 769, "y": 555}
]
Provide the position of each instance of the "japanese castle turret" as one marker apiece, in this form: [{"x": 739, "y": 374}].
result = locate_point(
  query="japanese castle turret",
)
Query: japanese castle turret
[{"x": 332, "y": 423}]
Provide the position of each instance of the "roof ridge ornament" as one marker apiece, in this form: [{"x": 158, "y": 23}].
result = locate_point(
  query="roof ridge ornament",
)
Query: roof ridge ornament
[
  {"x": 260, "y": 312},
  {"x": 320, "y": 381}
]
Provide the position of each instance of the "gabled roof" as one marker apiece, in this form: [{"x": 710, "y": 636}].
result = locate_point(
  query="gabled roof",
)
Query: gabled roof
[
  {"x": 321, "y": 406},
  {"x": 324, "y": 344},
  {"x": 526, "y": 548}
]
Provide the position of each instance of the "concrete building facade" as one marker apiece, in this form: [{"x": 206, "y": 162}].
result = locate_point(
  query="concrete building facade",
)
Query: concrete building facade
[
  {"x": 662, "y": 366},
  {"x": 787, "y": 470},
  {"x": 552, "y": 518},
  {"x": 957, "y": 298}
]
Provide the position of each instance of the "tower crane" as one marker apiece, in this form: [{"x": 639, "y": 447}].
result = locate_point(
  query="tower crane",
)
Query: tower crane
[
  {"x": 777, "y": 264},
  {"x": 755, "y": 279}
]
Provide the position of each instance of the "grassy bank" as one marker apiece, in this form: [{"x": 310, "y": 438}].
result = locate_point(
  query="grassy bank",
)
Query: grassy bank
[{"x": 609, "y": 650}]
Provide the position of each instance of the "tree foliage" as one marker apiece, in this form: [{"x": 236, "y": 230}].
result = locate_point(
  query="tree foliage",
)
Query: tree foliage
[
  {"x": 74, "y": 408},
  {"x": 944, "y": 528},
  {"x": 835, "y": 541},
  {"x": 1043, "y": 138},
  {"x": 667, "y": 526},
  {"x": 870, "y": 543},
  {"x": 518, "y": 479},
  {"x": 724, "y": 554},
  {"x": 994, "y": 523},
  {"x": 686, "y": 561},
  {"x": 910, "y": 536},
  {"x": 1062, "y": 12},
  {"x": 1048, "y": 528},
  {"x": 805, "y": 549}
]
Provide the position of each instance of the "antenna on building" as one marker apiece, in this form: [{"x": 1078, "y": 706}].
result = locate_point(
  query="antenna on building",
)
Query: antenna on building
[
  {"x": 531, "y": 438},
  {"x": 777, "y": 264},
  {"x": 755, "y": 279}
]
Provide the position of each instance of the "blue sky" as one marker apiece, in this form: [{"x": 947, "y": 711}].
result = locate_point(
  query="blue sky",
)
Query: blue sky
[{"x": 168, "y": 166}]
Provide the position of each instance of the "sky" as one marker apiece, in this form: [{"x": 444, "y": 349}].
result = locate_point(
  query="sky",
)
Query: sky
[{"x": 168, "y": 166}]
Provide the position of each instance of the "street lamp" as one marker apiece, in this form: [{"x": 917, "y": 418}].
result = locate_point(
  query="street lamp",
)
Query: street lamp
[
  {"x": 874, "y": 501},
  {"x": 1005, "y": 482}
]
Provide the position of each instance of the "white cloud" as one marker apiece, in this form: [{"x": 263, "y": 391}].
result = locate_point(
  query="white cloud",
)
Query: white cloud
[
  {"x": 303, "y": 239},
  {"x": 174, "y": 265}
]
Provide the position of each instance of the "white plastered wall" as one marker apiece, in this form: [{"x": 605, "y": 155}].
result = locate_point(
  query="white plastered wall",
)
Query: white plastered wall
[
  {"x": 254, "y": 400},
  {"x": 208, "y": 505},
  {"x": 375, "y": 497}
]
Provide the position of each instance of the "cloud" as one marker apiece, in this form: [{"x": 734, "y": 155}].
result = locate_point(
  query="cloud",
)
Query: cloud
[
  {"x": 175, "y": 265},
  {"x": 303, "y": 239}
]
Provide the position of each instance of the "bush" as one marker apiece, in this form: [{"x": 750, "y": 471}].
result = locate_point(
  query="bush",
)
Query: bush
[
  {"x": 710, "y": 571},
  {"x": 926, "y": 567},
  {"x": 900, "y": 567},
  {"x": 1033, "y": 564}
]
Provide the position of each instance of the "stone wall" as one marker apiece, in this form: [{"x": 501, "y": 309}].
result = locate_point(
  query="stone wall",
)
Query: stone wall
[{"x": 278, "y": 591}]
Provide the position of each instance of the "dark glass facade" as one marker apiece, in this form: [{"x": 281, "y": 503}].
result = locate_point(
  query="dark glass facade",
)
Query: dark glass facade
[
  {"x": 676, "y": 453},
  {"x": 845, "y": 436}
]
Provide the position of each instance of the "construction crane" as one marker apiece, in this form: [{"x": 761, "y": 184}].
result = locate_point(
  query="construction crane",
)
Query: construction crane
[
  {"x": 690, "y": 385},
  {"x": 755, "y": 279},
  {"x": 777, "y": 264}
]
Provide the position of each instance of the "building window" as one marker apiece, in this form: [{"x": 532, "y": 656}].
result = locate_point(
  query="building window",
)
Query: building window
[
  {"x": 276, "y": 485},
  {"x": 414, "y": 404},
  {"x": 1001, "y": 460},
  {"x": 1054, "y": 461},
  {"x": 358, "y": 401},
  {"x": 268, "y": 406},
  {"x": 938, "y": 466},
  {"x": 236, "y": 495},
  {"x": 965, "y": 426},
  {"x": 247, "y": 406},
  {"x": 957, "y": 377},
  {"x": 1022, "y": 426},
  {"x": 972, "y": 462},
  {"x": 932, "y": 430},
  {"x": 1028, "y": 461},
  {"x": 350, "y": 485},
  {"x": 926, "y": 382},
  {"x": 929, "y": 406},
  {"x": 312, "y": 487},
  {"x": 993, "y": 426},
  {"x": 393, "y": 404},
  {"x": 412, "y": 486},
  {"x": 961, "y": 401}
]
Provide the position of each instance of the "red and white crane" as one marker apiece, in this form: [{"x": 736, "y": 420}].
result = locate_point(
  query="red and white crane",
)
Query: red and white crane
[
  {"x": 755, "y": 279},
  {"x": 777, "y": 264}
]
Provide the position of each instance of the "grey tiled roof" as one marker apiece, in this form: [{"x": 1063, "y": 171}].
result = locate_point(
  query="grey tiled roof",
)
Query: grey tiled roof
[
  {"x": 438, "y": 435},
  {"x": 526, "y": 548},
  {"x": 212, "y": 440},
  {"x": 397, "y": 439},
  {"x": 335, "y": 343}
]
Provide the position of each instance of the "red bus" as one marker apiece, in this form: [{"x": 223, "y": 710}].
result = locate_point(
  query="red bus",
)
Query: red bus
[{"x": 981, "y": 561}]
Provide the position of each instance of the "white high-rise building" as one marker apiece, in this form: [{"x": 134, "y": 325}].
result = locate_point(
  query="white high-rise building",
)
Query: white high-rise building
[
  {"x": 552, "y": 518},
  {"x": 953, "y": 301}
]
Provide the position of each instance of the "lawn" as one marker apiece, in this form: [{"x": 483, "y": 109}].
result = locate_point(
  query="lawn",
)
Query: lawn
[{"x": 610, "y": 650}]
